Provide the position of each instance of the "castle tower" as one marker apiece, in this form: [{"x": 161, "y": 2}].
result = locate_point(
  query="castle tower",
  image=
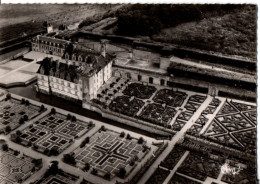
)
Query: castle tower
[{"x": 49, "y": 28}]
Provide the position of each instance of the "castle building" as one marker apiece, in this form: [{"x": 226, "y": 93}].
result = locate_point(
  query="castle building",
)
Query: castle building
[{"x": 77, "y": 75}]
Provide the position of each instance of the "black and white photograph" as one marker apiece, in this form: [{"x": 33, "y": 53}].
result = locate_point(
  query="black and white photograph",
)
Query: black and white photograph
[{"x": 101, "y": 93}]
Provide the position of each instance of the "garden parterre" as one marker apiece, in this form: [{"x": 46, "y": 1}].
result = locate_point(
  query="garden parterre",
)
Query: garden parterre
[
  {"x": 108, "y": 152},
  {"x": 16, "y": 168},
  {"x": 234, "y": 125},
  {"x": 157, "y": 105},
  {"x": 12, "y": 110},
  {"x": 53, "y": 132},
  {"x": 139, "y": 90},
  {"x": 158, "y": 176},
  {"x": 60, "y": 177},
  {"x": 203, "y": 162}
]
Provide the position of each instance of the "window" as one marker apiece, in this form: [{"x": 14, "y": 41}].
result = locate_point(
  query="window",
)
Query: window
[
  {"x": 139, "y": 77},
  {"x": 162, "y": 82},
  {"x": 151, "y": 80}
]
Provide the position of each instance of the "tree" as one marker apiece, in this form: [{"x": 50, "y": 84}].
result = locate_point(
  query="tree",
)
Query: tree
[
  {"x": 122, "y": 134},
  {"x": 46, "y": 151},
  {"x": 16, "y": 153},
  {"x": 18, "y": 132},
  {"x": 18, "y": 139},
  {"x": 128, "y": 136},
  {"x": 45, "y": 24},
  {"x": 54, "y": 151},
  {"x": 53, "y": 111},
  {"x": 87, "y": 140},
  {"x": 35, "y": 146},
  {"x": 69, "y": 117},
  {"x": 42, "y": 108},
  {"x": 53, "y": 169},
  {"x": 90, "y": 124},
  {"x": 8, "y": 96},
  {"x": 21, "y": 121},
  {"x": 122, "y": 172},
  {"x": 23, "y": 101},
  {"x": 140, "y": 140},
  {"x": 107, "y": 176},
  {"x": 69, "y": 159},
  {"x": 37, "y": 162},
  {"x": 27, "y": 103},
  {"x": 8, "y": 129},
  {"x": 25, "y": 117},
  {"x": 5, "y": 147},
  {"x": 73, "y": 118},
  {"x": 94, "y": 171},
  {"x": 103, "y": 128},
  {"x": 86, "y": 167}
]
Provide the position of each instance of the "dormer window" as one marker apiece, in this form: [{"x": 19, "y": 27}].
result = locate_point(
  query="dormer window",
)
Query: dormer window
[
  {"x": 74, "y": 57},
  {"x": 67, "y": 56},
  {"x": 80, "y": 58}
]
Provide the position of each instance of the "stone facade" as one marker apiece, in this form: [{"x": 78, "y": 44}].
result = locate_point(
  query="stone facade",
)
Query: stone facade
[{"x": 77, "y": 75}]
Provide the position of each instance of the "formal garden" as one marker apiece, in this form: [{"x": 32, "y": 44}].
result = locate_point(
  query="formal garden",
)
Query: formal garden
[
  {"x": 14, "y": 113},
  {"x": 53, "y": 133},
  {"x": 173, "y": 157},
  {"x": 179, "y": 179},
  {"x": 158, "y": 176},
  {"x": 54, "y": 175},
  {"x": 108, "y": 154},
  {"x": 126, "y": 105},
  {"x": 234, "y": 126},
  {"x": 201, "y": 165},
  {"x": 197, "y": 162},
  {"x": 139, "y": 90},
  {"x": 16, "y": 167},
  {"x": 158, "y": 114},
  {"x": 153, "y": 104},
  {"x": 170, "y": 97}
]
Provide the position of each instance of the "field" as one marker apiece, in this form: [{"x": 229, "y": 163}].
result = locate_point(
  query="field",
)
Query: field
[
  {"x": 53, "y": 133},
  {"x": 231, "y": 34},
  {"x": 15, "y": 168},
  {"x": 13, "y": 113},
  {"x": 31, "y": 17},
  {"x": 109, "y": 152}
]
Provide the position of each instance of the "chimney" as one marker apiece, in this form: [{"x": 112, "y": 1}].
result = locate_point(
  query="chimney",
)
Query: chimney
[{"x": 103, "y": 48}]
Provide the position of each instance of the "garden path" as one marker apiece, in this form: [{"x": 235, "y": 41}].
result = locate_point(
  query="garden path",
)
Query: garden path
[
  {"x": 179, "y": 135},
  {"x": 67, "y": 168}
]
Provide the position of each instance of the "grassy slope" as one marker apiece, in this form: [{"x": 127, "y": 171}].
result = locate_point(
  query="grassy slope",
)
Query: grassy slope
[
  {"x": 18, "y": 18},
  {"x": 231, "y": 34}
]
